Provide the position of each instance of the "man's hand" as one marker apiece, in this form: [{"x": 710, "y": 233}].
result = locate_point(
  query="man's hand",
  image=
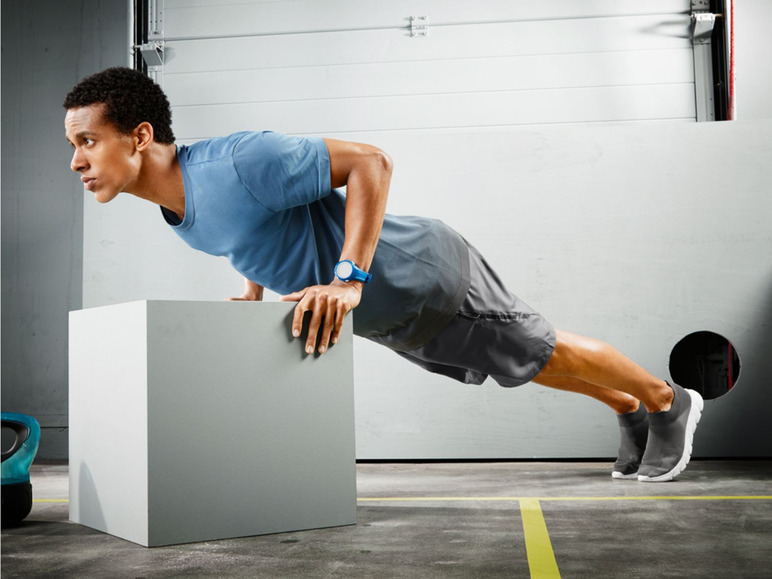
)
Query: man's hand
[
  {"x": 252, "y": 293},
  {"x": 328, "y": 305}
]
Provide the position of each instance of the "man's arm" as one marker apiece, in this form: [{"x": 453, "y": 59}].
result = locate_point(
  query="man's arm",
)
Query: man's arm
[{"x": 366, "y": 172}]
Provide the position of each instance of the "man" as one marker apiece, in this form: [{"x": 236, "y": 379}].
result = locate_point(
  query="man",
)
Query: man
[{"x": 270, "y": 203}]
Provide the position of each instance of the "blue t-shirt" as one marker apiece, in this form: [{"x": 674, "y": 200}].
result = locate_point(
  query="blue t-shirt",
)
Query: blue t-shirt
[{"x": 264, "y": 201}]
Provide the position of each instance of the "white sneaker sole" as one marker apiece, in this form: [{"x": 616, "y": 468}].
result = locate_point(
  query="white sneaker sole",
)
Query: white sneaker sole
[
  {"x": 619, "y": 476},
  {"x": 695, "y": 413}
]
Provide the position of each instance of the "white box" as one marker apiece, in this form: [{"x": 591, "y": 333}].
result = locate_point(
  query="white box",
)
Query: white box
[{"x": 193, "y": 421}]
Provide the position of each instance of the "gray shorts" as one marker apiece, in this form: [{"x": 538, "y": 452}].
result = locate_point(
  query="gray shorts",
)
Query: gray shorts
[{"x": 493, "y": 334}]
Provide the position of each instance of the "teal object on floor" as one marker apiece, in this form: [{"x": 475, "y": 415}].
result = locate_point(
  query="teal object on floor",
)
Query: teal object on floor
[{"x": 16, "y": 487}]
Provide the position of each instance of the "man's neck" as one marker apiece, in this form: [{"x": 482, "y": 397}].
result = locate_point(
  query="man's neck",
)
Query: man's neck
[{"x": 160, "y": 179}]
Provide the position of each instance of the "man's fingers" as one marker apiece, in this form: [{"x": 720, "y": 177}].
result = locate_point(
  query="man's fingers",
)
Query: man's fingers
[
  {"x": 297, "y": 318},
  {"x": 319, "y": 302},
  {"x": 300, "y": 309},
  {"x": 328, "y": 306},
  {"x": 329, "y": 318},
  {"x": 338, "y": 326}
]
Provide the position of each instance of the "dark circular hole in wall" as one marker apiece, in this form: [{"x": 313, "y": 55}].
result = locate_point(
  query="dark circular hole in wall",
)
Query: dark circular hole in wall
[{"x": 706, "y": 362}]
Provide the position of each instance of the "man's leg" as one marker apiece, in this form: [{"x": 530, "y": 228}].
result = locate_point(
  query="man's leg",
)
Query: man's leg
[
  {"x": 588, "y": 366},
  {"x": 619, "y": 402},
  {"x": 591, "y": 363},
  {"x": 632, "y": 418}
]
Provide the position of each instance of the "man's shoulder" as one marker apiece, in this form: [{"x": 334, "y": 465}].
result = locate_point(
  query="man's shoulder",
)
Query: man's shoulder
[
  {"x": 215, "y": 148},
  {"x": 241, "y": 145}
]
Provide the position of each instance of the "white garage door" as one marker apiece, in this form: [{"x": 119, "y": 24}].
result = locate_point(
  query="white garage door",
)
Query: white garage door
[
  {"x": 456, "y": 101},
  {"x": 343, "y": 66}
]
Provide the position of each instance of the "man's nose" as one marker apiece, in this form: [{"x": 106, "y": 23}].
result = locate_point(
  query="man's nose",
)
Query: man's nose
[{"x": 78, "y": 163}]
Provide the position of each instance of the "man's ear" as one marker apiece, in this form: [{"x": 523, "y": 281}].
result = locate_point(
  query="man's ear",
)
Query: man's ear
[{"x": 144, "y": 135}]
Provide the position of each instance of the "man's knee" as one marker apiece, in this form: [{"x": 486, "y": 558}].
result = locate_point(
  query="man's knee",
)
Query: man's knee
[
  {"x": 571, "y": 351},
  {"x": 560, "y": 362}
]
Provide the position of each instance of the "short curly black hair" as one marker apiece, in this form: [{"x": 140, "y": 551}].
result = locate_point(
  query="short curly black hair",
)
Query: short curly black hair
[{"x": 130, "y": 98}]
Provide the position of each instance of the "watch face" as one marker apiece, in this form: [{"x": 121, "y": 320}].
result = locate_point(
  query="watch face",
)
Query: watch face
[{"x": 345, "y": 269}]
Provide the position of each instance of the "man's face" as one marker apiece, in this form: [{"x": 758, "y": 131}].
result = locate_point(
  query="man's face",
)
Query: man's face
[{"x": 107, "y": 160}]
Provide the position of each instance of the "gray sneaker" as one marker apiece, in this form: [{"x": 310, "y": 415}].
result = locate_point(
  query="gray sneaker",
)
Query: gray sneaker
[
  {"x": 633, "y": 433},
  {"x": 670, "y": 437}
]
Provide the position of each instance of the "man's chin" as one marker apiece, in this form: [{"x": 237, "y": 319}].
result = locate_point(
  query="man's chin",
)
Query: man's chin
[{"x": 103, "y": 197}]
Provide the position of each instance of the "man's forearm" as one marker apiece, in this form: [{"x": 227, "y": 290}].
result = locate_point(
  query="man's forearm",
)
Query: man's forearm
[{"x": 366, "y": 173}]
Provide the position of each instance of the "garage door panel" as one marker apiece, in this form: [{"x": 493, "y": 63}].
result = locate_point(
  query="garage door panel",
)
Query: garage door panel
[
  {"x": 450, "y": 42},
  {"x": 431, "y": 77},
  {"x": 432, "y": 112},
  {"x": 218, "y": 18}
]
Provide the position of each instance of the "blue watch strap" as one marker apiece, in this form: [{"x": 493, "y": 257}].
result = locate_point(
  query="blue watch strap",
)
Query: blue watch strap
[{"x": 347, "y": 270}]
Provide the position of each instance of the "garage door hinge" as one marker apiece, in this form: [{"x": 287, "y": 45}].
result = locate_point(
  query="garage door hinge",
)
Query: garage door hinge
[
  {"x": 152, "y": 52},
  {"x": 419, "y": 26},
  {"x": 702, "y": 29},
  {"x": 703, "y": 22},
  {"x": 152, "y": 49}
]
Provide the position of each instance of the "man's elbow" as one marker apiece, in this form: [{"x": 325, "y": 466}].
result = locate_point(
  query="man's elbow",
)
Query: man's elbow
[{"x": 384, "y": 161}]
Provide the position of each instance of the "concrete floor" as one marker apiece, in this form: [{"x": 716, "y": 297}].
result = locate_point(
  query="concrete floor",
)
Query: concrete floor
[{"x": 453, "y": 520}]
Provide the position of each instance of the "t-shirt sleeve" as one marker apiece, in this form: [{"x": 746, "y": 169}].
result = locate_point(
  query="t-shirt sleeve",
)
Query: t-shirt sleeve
[{"x": 282, "y": 171}]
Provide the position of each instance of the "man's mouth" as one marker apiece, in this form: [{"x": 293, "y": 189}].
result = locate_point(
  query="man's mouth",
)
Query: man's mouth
[{"x": 88, "y": 183}]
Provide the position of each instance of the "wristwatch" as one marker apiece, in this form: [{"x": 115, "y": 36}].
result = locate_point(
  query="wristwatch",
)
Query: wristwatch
[{"x": 347, "y": 270}]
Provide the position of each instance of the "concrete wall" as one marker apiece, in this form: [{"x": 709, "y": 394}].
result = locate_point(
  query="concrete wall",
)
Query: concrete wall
[{"x": 47, "y": 46}]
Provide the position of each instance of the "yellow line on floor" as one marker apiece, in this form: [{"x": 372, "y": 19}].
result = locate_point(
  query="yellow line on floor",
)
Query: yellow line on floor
[
  {"x": 538, "y": 548},
  {"x": 667, "y": 498},
  {"x": 515, "y": 499}
]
